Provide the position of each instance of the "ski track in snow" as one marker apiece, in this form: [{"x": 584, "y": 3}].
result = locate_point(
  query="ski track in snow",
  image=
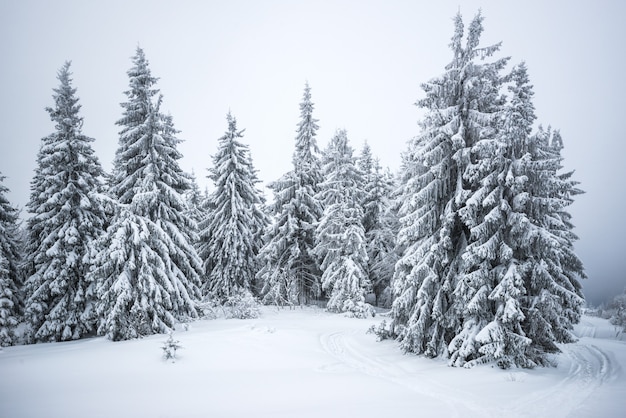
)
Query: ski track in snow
[
  {"x": 294, "y": 349},
  {"x": 589, "y": 367},
  {"x": 341, "y": 346},
  {"x": 586, "y": 329}
]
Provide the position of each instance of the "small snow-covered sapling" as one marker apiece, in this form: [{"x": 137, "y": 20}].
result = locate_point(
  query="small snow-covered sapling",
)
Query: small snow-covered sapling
[{"x": 170, "y": 346}]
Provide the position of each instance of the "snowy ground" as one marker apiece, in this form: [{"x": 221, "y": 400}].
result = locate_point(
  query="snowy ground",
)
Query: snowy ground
[{"x": 301, "y": 363}]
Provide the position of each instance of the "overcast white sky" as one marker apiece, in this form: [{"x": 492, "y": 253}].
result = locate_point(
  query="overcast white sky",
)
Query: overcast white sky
[{"x": 364, "y": 60}]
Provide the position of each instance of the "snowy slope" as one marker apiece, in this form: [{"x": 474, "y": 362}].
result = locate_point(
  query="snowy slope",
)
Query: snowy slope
[{"x": 301, "y": 363}]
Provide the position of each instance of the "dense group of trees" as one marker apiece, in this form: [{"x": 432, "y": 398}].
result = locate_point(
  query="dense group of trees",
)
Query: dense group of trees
[
  {"x": 470, "y": 244},
  {"x": 487, "y": 270}
]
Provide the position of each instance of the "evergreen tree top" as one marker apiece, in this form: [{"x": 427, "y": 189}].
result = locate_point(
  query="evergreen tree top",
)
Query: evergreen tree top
[
  {"x": 59, "y": 150},
  {"x": 146, "y": 169},
  {"x": 232, "y": 152},
  {"x": 8, "y": 214},
  {"x": 342, "y": 178},
  {"x": 306, "y": 145},
  {"x": 141, "y": 91},
  {"x": 464, "y": 55},
  {"x": 366, "y": 158},
  {"x": 65, "y": 111},
  {"x": 194, "y": 195},
  {"x": 520, "y": 112}
]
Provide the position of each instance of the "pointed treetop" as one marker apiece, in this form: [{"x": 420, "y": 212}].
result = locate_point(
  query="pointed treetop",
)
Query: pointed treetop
[
  {"x": 522, "y": 109},
  {"x": 475, "y": 30},
  {"x": 65, "y": 111},
  {"x": 306, "y": 145},
  {"x": 459, "y": 29},
  {"x": 140, "y": 78},
  {"x": 63, "y": 75},
  {"x": 232, "y": 122},
  {"x": 365, "y": 159}
]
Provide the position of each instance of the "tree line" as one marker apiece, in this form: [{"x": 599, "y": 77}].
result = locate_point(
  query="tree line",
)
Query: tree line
[{"x": 469, "y": 244}]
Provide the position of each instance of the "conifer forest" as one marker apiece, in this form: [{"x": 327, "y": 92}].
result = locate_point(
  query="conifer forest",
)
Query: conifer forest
[{"x": 468, "y": 247}]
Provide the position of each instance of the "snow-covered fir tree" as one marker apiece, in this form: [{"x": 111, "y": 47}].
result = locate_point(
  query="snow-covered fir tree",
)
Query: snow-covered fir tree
[
  {"x": 234, "y": 225},
  {"x": 340, "y": 237},
  {"x": 524, "y": 241},
  {"x": 501, "y": 248},
  {"x": 290, "y": 272},
  {"x": 488, "y": 272},
  {"x": 461, "y": 107},
  {"x": 380, "y": 224},
  {"x": 617, "y": 309},
  {"x": 280, "y": 255},
  {"x": 10, "y": 275},
  {"x": 370, "y": 185},
  {"x": 206, "y": 210},
  {"x": 195, "y": 199},
  {"x": 553, "y": 301},
  {"x": 66, "y": 220},
  {"x": 147, "y": 270}
]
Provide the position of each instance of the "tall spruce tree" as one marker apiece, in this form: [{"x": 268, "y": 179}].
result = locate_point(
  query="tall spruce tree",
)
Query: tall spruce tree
[
  {"x": 380, "y": 225},
  {"x": 488, "y": 272},
  {"x": 194, "y": 199},
  {"x": 524, "y": 240},
  {"x": 553, "y": 300},
  {"x": 147, "y": 270},
  {"x": 500, "y": 233},
  {"x": 340, "y": 236},
  {"x": 280, "y": 254},
  {"x": 234, "y": 223},
  {"x": 462, "y": 106},
  {"x": 196, "y": 212},
  {"x": 66, "y": 220},
  {"x": 290, "y": 271},
  {"x": 11, "y": 303}
]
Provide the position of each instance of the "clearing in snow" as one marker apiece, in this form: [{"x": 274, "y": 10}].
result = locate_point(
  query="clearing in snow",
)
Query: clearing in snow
[{"x": 301, "y": 363}]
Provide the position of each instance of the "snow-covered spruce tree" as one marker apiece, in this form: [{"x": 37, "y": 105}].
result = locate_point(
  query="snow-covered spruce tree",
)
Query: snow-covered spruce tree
[
  {"x": 553, "y": 301},
  {"x": 290, "y": 272},
  {"x": 618, "y": 313},
  {"x": 340, "y": 236},
  {"x": 371, "y": 186},
  {"x": 195, "y": 199},
  {"x": 501, "y": 251},
  {"x": 10, "y": 278},
  {"x": 196, "y": 211},
  {"x": 462, "y": 105},
  {"x": 524, "y": 241},
  {"x": 147, "y": 270},
  {"x": 235, "y": 221},
  {"x": 488, "y": 271},
  {"x": 380, "y": 225},
  {"x": 66, "y": 220},
  {"x": 280, "y": 256},
  {"x": 206, "y": 210}
]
